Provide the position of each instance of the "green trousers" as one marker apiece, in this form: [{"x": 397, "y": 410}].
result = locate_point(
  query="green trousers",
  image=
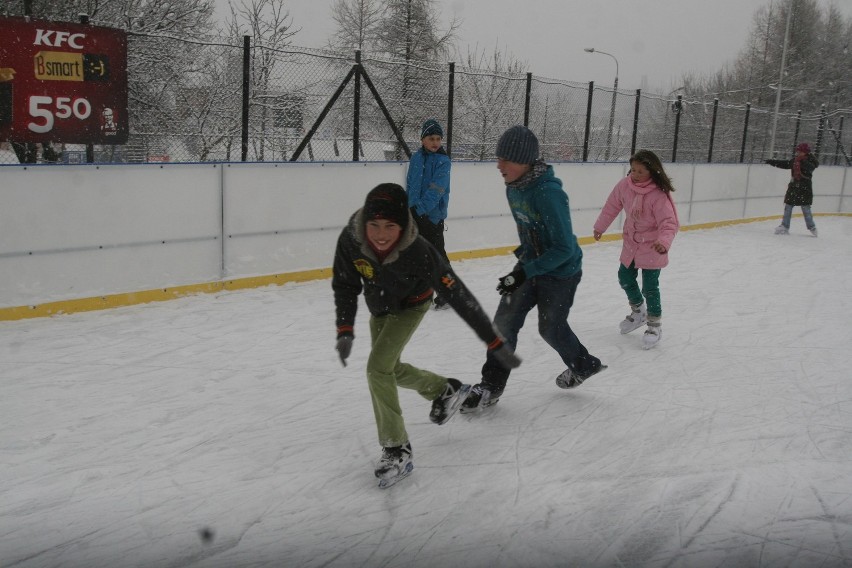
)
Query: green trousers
[
  {"x": 650, "y": 292},
  {"x": 390, "y": 334}
]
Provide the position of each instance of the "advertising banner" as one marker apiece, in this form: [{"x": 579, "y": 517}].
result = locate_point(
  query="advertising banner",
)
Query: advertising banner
[{"x": 62, "y": 82}]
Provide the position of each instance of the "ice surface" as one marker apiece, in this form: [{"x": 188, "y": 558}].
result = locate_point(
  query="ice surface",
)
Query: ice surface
[{"x": 126, "y": 433}]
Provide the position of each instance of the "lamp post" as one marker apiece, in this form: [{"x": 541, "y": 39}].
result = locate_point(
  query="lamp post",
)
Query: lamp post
[
  {"x": 780, "y": 79},
  {"x": 614, "y": 93}
]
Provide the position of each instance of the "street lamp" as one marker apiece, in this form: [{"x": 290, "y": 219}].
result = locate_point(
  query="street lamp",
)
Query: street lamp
[{"x": 614, "y": 92}]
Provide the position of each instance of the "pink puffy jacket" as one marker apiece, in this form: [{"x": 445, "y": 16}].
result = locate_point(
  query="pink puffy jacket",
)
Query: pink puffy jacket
[{"x": 650, "y": 216}]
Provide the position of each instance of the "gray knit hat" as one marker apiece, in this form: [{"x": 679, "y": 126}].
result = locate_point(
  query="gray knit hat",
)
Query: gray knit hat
[{"x": 519, "y": 145}]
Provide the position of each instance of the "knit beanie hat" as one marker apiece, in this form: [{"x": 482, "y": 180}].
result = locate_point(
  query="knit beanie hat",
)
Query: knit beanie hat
[
  {"x": 804, "y": 147},
  {"x": 519, "y": 145},
  {"x": 387, "y": 201},
  {"x": 430, "y": 127}
]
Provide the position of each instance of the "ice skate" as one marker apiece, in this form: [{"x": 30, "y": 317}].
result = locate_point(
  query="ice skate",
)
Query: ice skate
[
  {"x": 448, "y": 402},
  {"x": 782, "y": 230},
  {"x": 481, "y": 396},
  {"x": 634, "y": 320},
  {"x": 570, "y": 379},
  {"x": 395, "y": 464},
  {"x": 440, "y": 304},
  {"x": 652, "y": 335},
  {"x": 813, "y": 231}
]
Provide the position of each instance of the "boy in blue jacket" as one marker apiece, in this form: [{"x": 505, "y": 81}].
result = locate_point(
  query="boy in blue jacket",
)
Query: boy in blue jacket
[
  {"x": 428, "y": 189},
  {"x": 547, "y": 273}
]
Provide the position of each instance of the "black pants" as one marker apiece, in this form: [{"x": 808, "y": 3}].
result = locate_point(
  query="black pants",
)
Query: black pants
[{"x": 434, "y": 233}]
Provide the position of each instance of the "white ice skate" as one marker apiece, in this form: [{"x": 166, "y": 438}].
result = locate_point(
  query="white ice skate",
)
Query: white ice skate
[
  {"x": 782, "y": 230},
  {"x": 634, "y": 320},
  {"x": 652, "y": 336},
  {"x": 813, "y": 231},
  {"x": 394, "y": 465}
]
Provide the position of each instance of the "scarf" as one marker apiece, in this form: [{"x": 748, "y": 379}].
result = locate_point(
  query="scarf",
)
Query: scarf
[
  {"x": 538, "y": 169},
  {"x": 640, "y": 190}
]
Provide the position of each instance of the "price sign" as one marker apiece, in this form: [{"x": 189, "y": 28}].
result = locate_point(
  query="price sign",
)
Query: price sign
[{"x": 62, "y": 82}]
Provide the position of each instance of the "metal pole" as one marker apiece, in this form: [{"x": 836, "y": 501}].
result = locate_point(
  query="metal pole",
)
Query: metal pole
[
  {"x": 90, "y": 148},
  {"x": 356, "y": 107},
  {"x": 450, "y": 97},
  {"x": 614, "y": 93},
  {"x": 635, "y": 122},
  {"x": 820, "y": 130},
  {"x": 713, "y": 130},
  {"x": 678, "y": 110},
  {"x": 745, "y": 133},
  {"x": 780, "y": 79},
  {"x": 588, "y": 122},
  {"x": 246, "y": 79},
  {"x": 527, "y": 102},
  {"x": 796, "y": 132}
]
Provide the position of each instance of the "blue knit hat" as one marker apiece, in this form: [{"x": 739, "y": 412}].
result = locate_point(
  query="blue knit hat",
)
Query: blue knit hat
[
  {"x": 431, "y": 127},
  {"x": 519, "y": 145}
]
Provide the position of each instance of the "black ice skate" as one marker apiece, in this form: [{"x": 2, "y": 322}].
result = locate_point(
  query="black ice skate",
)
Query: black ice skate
[
  {"x": 570, "y": 379},
  {"x": 481, "y": 396},
  {"x": 448, "y": 402},
  {"x": 394, "y": 465}
]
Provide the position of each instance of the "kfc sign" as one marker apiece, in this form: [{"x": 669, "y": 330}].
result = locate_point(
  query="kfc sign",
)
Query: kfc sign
[{"x": 62, "y": 82}]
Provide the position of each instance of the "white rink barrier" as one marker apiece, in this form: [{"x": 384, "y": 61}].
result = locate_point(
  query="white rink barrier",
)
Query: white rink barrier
[{"x": 89, "y": 236}]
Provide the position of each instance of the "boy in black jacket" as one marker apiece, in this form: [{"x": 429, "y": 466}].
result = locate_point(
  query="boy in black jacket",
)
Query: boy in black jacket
[{"x": 381, "y": 254}]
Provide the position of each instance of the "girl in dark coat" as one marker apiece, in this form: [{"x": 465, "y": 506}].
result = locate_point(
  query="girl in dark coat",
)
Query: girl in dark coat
[{"x": 800, "y": 190}]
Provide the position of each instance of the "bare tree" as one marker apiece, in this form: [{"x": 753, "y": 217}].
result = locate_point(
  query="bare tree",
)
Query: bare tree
[
  {"x": 356, "y": 24},
  {"x": 270, "y": 26}
]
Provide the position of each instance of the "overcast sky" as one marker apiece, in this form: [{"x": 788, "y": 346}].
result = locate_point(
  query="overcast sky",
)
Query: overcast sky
[{"x": 656, "y": 41}]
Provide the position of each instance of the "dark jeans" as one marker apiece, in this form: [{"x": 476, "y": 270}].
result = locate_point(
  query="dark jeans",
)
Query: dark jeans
[
  {"x": 554, "y": 297},
  {"x": 434, "y": 233}
]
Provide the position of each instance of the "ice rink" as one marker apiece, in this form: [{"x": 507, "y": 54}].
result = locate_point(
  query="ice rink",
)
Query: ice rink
[{"x": 123, "y": 433}]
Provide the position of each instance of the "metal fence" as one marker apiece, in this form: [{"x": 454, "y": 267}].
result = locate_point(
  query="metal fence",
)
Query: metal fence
[{"x": 255, "y": 103}]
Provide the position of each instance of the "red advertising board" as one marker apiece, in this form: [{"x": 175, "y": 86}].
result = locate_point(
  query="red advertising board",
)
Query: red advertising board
[{"x": 62, "y": 82}]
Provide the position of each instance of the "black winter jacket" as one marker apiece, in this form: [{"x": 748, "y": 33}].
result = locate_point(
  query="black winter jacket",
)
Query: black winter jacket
[
  {"x": 406, "y": 278},
  {"x": 799, "y": 192}
]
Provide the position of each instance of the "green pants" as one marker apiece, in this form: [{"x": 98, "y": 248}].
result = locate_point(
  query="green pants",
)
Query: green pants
[
  {"x": 650, "y": 292},
  {"x": 390, "y": 334}
]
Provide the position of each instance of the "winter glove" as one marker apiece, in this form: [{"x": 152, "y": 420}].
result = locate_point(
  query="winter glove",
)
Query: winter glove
[
  {"x": 344, "y": 346},
  {"x": 511, "y": 282},
  {"x": 504, "y": 354}
]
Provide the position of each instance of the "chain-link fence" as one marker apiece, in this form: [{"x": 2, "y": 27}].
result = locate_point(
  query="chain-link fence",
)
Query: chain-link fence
[{"x": 217, "y": 100}]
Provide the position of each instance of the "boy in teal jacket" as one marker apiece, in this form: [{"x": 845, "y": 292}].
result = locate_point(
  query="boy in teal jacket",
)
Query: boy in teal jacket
[{"x": 547, "y": 273}]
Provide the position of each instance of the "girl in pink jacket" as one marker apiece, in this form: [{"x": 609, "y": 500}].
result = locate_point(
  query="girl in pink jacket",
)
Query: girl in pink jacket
[{"x": 650, "y": 226}]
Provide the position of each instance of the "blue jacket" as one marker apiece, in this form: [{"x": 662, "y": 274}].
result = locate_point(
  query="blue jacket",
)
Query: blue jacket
[
  {"x": 548, "y": 244},
  {"x": 428, "y": 184}
]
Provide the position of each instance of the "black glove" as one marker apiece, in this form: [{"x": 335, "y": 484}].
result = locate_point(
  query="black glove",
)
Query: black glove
[
  {"x": 505, "y": 356},
  {"x": 344, "y": 346},
  {"x": 511, "y": 282}
]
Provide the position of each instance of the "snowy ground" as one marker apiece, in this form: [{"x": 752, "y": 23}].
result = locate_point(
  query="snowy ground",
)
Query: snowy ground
[{"x": 125, "y": 432}]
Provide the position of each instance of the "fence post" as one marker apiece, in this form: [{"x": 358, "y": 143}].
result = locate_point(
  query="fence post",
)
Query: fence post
[
  {"x": 588, "y": 122},
  {"x": 527, "y": 102},
  {"x": 820, "y": 130},
  {"x": 90, "y": 148},
  {"x": 635, "y": 123},
  {"x": 246, "y": 78},
  {"x": 796, "y": 133},
  {"x": 678, "y": 107},
  {"x": 356, "y": 107},
  {"x": 450, "y": 97},
  {"x": 839, "y": 145},
  {"x": 745, "y": 133},
  {"x": 713, "y": 130}
]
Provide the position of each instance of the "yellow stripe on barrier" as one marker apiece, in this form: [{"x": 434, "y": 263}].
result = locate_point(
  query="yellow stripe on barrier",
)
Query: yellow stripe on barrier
[{"x": 163, "y": 294}]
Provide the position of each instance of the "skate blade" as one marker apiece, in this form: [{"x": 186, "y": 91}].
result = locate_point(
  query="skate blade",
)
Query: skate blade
[
  {"x": 391, "y": 481},
  {"x": 572, "y": 381},
  {"x": 461, "y": 396}
]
